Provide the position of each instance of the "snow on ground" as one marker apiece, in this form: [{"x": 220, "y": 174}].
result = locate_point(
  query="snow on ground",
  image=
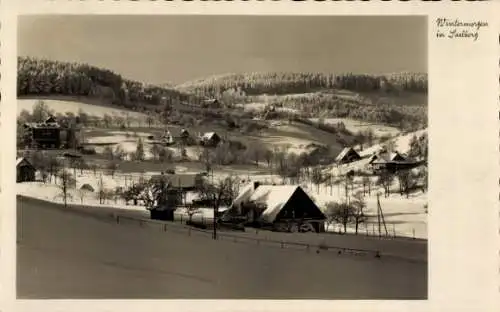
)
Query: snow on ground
[
  {"x": 293, "y": 144},
  {"x": 402, "y": 143},
  {"x": 354, "y": 125},
  {"x": 403, "y": 216},
  {"x": 63, "y": 107},
  {"x": 129, "y": 145},
  {"x": 128, "y": 133},
  {"x": 252, "y": 107}
]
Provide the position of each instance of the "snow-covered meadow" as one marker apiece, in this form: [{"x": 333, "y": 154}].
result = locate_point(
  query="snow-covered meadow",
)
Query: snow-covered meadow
[{"x": 403, "y": 216}]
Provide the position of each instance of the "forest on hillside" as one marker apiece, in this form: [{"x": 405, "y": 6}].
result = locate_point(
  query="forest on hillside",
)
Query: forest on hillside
[
  {"x": 38, "y": 77},
  {"x": 287, "y": 83}
]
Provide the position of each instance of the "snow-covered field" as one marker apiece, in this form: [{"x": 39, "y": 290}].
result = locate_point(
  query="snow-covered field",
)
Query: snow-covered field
[
  {"x": 63, "y": 107},
  {"x": 358, "y": 125},
  {"x": 128, "y": 144},
  {"x": 402, "y": 143},
  {"x": 403, "y": 216}
]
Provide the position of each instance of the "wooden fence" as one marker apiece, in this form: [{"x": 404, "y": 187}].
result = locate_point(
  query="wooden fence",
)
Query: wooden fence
[{"x": 223, "y": 235}]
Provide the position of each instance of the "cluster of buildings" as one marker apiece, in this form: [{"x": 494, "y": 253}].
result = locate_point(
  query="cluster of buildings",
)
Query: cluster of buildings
[
  {"x": 280, "y": 207},
  {"x": 207, "y": 139},
  {"x": 378, "y": 161}
]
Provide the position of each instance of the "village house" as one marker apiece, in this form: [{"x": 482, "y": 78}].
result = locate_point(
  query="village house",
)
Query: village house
[
  {"x": 44, "y": 134},
  {"x": 283, "y": 207},
  {"x": 392, "y": 162},
  {"x": 167, "y": 138},
  {"x": 25, "y": 171},
  {"x": 210, "y": 139},
  {"x": 178, "y": 186},
  {"x": 51, "y": 134},
  {"x": 184, "y": 134},
  {"x": 347, "y": 155}
]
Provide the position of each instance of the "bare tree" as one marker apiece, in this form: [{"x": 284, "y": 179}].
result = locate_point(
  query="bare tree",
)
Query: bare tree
[
  {"x": 358, "y": 204},
  {"x": 423, "y": 175},
  {"x": 385, "y": 179},
  {"x": 219, "y": 193},
  {"x": 360, "y": 138},
  {"x": 370, "y": 136},
  {"x": 139, "y": 152},
  {"x": 67, "y": 182},
  {"x": 149, "y": 119},
  {"x": 331, "y": 219},
  {"x": 406, "y": 182},
  {"x": 41, "y": 111},
  {"x": 268, "y": 157},
  {"x": 339, "y": 213},
  {"x": 348, "y": 182},
  {"x": 54, "y": 166},
  {"x": 112, "y": 166},
  {"x": 101, "y": 192},
  {"x": 367, "y": 185},
  {"x": 206, "y": 158},
  {"x": 155, "y": 151},
  {"x": 317, "y": 177}
]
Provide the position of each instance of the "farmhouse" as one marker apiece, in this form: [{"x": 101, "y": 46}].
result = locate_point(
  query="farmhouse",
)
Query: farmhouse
[
  {"x": 184, "y": 134},
  {"x": 167, "y": 138},
  {"x": 177, "y": 187},
  {"x": 211, "y": 139},
  {"x": 347, "y": 155},
  {"x": 44, "y": 134},
  {"x": 181, "y": 182},
  {"x": 392, "y": 162},
  {"x": 281, "y": 206},
  {"x": 25, "y": 170}
]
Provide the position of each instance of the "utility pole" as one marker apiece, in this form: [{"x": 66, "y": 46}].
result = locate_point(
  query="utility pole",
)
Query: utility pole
[
  {"x": 216, "y": 208},
  {"x": 380, "y": 217}
]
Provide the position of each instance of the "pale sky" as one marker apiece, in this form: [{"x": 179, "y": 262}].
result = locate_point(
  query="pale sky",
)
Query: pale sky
[{"x": 158, "y": 49}]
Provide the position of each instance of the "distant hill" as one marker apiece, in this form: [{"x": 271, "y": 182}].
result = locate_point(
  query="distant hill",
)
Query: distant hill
[
  {"x": 291, "y": 82},
  {"x": 39, "y": 77}
]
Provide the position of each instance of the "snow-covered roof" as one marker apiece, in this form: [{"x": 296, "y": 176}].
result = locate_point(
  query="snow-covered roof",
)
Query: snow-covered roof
[
  {"x": 21, "y": 160},
  {"x": 274, "y": 197},
  {"x": 244, "y": 194},
  {"x": 384, "y": 157},
  {"x": 208, "y": 135},
  {"x": 344, "y": 152}
]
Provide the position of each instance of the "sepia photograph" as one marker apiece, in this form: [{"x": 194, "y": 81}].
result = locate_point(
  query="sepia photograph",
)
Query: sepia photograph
[{"x": 222, "y": 157}]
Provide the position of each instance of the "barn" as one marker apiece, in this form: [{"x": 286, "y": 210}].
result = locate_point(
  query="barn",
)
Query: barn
[
  {"x": 284, "y": 207},
  {"x": 25, "y": 170},
  {"x": 211, "y": 139},
  {"x": 347, "y": 155}
]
